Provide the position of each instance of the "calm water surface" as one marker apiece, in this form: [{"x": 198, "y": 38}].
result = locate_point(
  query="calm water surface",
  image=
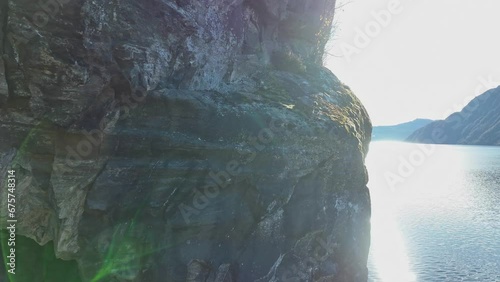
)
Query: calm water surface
[{"x": 435, "y": 212}]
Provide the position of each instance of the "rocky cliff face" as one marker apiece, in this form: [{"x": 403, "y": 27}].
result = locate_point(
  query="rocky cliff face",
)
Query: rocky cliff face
[
  {"x": 477, "y": 124},
  {"x": 183, "y": 140}
]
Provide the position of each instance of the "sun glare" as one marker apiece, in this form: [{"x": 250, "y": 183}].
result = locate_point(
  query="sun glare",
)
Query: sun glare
[{"x": 389, "y": 252}]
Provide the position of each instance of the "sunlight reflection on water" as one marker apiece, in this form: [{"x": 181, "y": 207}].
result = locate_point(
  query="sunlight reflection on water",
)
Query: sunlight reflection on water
[
  {"x": 389, "y": 251},
  {"x": 439, "y": 220}
]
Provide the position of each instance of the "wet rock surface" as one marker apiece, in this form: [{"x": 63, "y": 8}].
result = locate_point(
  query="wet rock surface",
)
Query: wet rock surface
[{"x": 184, "y": 140}]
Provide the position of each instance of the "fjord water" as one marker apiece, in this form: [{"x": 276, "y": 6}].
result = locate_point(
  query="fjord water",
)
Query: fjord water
[{"x": 435, "y": 212}]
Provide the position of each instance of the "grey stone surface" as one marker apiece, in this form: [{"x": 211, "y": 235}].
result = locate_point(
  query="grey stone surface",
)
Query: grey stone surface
[{"x": 185, "y": 140}]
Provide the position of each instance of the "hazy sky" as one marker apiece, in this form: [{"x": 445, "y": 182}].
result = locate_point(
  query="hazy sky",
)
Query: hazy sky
[{"x": 425, "y": 60}]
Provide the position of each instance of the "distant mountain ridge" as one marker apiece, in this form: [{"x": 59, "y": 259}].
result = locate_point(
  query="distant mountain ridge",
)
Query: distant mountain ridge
[
  {"x": 399, "y": 131},
  {"x": 477, "y": 124}
]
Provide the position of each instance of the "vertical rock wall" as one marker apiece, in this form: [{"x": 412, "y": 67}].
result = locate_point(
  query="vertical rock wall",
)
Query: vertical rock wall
[{"x": 184, "y": 140}]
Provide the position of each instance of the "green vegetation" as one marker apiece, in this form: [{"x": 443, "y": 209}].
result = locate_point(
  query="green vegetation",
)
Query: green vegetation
[{"x": 288, "y": 61}]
